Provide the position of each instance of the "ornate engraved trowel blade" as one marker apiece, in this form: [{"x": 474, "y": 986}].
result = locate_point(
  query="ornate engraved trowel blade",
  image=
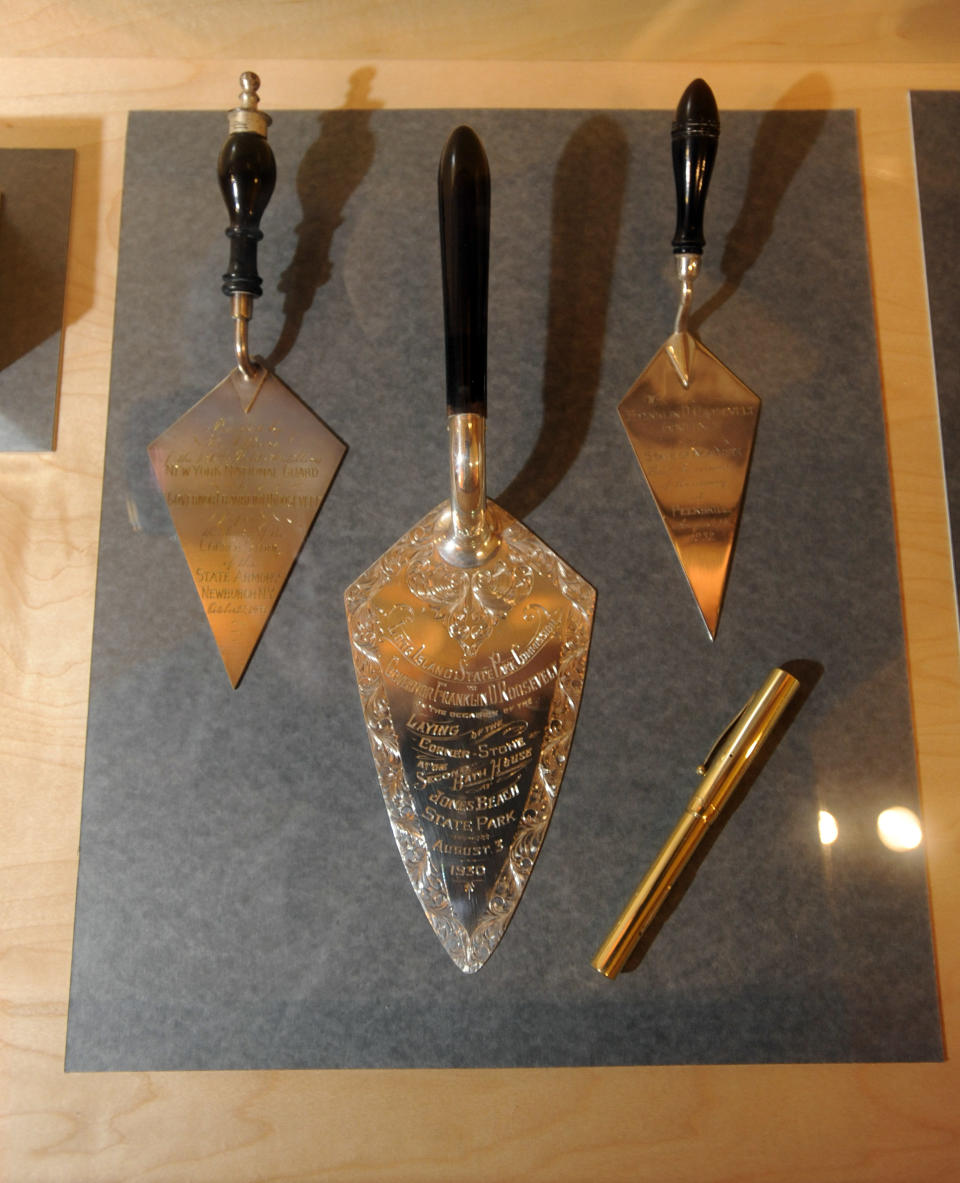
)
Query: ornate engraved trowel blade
[
  {"x": 694, "y": 445},
  {"x": 243, "y": 482},
  {"x": 470, "y": 681}
]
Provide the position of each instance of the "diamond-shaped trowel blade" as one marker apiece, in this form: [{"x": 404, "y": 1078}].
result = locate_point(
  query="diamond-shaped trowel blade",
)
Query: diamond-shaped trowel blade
[
  {"x": 470, "y": 680},
  {"x": 243, "y": 482},
  {"x": 693, "y": 443}
]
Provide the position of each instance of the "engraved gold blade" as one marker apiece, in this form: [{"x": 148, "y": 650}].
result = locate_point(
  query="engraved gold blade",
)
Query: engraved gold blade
[
  {"x": 693, "y": 444},
  {"x": 470, "y": 680},
  {"x": 243, "y": 482}
]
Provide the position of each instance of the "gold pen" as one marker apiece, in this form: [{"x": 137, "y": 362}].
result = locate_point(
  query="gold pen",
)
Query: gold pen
[{"x": 722, "y": 771}]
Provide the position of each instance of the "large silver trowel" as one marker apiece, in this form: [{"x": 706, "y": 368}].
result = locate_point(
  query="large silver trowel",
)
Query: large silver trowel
[{"x": 470, "y": 640}]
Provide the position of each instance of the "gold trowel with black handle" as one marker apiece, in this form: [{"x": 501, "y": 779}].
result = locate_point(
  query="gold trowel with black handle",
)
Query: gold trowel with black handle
[
  {"x": 246, "y": 469},
  {"x": 691, "y": 421}
]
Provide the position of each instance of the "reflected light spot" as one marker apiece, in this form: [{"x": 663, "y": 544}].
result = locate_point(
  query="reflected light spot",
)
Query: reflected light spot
[
  {"x": 827, "y": 825},
  {"x": 899, "y": 829},
  {"x": 133, "y": 514}
]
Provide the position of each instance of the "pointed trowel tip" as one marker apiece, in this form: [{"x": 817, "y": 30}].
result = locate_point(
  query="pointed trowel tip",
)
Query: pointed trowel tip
[
  {"x": 711, "y": 620},
  {"x": 234, "y": 672},
  {"x": 710, "y": 616},
  {"x": 707, "y": 602}
]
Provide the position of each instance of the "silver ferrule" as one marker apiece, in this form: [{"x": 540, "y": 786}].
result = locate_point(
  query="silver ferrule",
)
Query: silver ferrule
[
  {"x": 469, "y": 538},
  {"x": 241, "y": 309},
  {"x": 247, "y": 116},
  {"x": 688, "y": 268}
]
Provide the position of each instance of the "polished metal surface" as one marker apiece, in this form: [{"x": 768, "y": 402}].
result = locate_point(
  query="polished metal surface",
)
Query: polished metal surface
[
  {"x": 693, "y": 443},
  {"x": 469, "y": 535},
  {"x": 470, "y": 679},
  {"x": 241, "y": 309},
  {"x": 688, "y": 268},
  {"x": 247, "y": 116},
  {"x": 680, "y": 344},
  {"x": 722, "y": 771},
  {"x": 243, "y": 473}
]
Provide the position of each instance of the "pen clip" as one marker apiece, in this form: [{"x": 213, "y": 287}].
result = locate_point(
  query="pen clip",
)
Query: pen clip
[{"x": 721, "y": 739}]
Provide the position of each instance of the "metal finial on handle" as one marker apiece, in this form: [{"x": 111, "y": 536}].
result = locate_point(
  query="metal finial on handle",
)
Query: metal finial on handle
[
  {"x": 246, "y": 115},
  {"x": 249, "y": 88}
]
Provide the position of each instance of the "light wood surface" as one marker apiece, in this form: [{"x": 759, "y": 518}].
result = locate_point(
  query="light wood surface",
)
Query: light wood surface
[
  {"x": 499, "y": 30},
  {"x": 770, "y": 1123}
]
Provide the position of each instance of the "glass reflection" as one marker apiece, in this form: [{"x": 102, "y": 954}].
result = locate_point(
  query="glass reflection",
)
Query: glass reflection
[
  {"x": 899, "y": 829},
  {"x": 827, "y": 825}
]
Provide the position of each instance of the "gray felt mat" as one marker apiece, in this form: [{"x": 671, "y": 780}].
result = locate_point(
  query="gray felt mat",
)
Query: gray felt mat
[
  {"x": 241, "y": 903},
  {"x": 935, "y": 120},
  {"x": 37, "y": 186}
]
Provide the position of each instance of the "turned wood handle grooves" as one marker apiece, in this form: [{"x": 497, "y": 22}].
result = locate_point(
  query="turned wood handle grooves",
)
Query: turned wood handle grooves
[{"x": 247, "y": 173}]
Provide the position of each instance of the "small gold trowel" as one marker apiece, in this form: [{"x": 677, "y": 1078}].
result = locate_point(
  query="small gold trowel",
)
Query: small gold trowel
[
  {"x": 469, "y": 639},
  {"x": 691, "y": 421},
  {"x": 245, "y": 470}
]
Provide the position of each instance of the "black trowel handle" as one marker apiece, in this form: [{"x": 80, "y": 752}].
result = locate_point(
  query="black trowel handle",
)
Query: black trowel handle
[
  {"x": 463, "y": 182},
  {"x": 694, "y": 135},
  {"x": 247, "y": 173}
]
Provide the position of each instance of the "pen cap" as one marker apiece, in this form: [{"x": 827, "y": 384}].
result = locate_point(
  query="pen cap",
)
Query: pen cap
[
  {"x": 735, "y": 750},
  {"x": 723, "y": 769}
]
